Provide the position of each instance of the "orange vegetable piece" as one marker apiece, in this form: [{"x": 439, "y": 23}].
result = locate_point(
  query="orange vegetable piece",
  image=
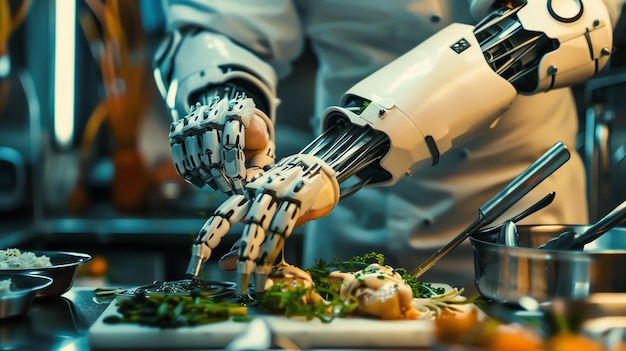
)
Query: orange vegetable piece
[
  {"x": 513, "y": 337},
  {"x": 97, "y": 267},
  {"x": 571, "y": 342},
  {"x": 454, "y": 328}
]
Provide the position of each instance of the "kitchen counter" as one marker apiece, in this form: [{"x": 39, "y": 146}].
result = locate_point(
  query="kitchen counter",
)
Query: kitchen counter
[
  {"x": 63, "y": 322},
  {"x": 56, "y": 323}
]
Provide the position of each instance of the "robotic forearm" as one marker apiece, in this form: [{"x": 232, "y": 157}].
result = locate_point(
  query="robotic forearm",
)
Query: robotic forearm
[{"x": 460, "y": 81}]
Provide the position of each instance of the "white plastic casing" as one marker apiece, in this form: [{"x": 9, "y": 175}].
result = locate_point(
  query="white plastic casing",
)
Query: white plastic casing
[
  {"x": 432, "y": 91},
  {"x": 585, "y": 44},
  {"x": 196, "y": 60}
]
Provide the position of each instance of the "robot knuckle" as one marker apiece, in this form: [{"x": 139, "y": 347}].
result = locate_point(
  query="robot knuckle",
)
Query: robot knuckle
[
  {"x": 234, "y": 208},
  {"x": 234, "y": 164},
  {"x": 220, "y": 179},
  {"x": 193, "y": 151},
  {"x": 176, "y": 129},
  {"x": 219, "y": 112},
  {"x": 210, "y": 146},
  {"x": 204, "y": 175},
  {"x": 238, "y": 185},
  {"x": 214, "y": 238},
  {"x": 233, "y": 140},
  {"x": 262, "y": 210},
  {"x": 285, "y": 220},
  {"x": 251, "y": 241},
  {"x": 255, "y": 234}
]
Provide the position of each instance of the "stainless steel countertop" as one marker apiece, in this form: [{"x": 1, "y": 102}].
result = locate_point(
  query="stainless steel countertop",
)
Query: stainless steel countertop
[{"x": 55, "y": 323}]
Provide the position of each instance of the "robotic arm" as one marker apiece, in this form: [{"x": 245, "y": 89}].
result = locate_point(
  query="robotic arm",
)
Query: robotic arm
[
  {"x": 462, "y": 79},
  {"x": 407, "y": 114}
]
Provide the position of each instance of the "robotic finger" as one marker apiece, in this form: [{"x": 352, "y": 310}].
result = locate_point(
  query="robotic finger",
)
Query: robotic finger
[
  {"x": 280, "y": 229},
  {"x": 295, "y": 186},
  {"x": 261, "y": 211},
  {"x": 215, "y": 228}
]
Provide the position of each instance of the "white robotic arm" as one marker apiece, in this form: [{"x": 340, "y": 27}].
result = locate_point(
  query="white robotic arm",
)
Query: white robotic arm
[{"x": 463, "y": 78}]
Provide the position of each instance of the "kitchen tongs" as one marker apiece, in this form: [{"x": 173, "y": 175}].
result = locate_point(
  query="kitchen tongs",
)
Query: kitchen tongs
[{"x": 543, "y": 167}]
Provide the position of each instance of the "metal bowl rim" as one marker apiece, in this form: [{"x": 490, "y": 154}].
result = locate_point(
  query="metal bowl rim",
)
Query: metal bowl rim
[
  {"x": 21, "y": 292},
  {"x": 81, "y": 258},
  {"x": 475, "y": 240}
]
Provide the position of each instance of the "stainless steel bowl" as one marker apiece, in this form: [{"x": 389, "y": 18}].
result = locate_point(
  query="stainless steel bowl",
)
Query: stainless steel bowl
[
  {"x": 23, "y": 290},
  {"x": 62, "y": 271},
  {"x": 505, "y": 274}
]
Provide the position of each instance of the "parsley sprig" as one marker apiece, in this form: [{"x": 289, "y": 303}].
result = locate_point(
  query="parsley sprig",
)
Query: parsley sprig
[
  {"x": 295, "y": 301},
  {"x": 320, "y": 271}
]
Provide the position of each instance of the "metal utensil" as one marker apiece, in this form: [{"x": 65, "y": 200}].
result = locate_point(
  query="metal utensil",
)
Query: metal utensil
[
  {"x": 570, "y": 240},
  {"x": 508, "y": 234},
  {"x": 549, "y": 162},
  {"x": 544, "y": 202}
]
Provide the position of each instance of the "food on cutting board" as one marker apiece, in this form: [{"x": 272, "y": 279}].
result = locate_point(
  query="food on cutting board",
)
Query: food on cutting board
[
  {"x": 344, "y": 289},
  {"x": 166, "y": 310},
  {"x": 380, "y": 291},
  {"x": 14, "y": 258},
  {"x": 362, "y": 286}
]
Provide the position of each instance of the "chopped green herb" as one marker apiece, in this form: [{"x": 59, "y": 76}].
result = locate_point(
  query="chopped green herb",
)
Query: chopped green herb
[
  {"x": 320, "y": 271},
  {"x": 172, "y": 311}
]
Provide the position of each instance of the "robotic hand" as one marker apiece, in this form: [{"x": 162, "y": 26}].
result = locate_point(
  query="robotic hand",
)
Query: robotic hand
[
  {"x": 213, "y": 142},
  {"x": 198, "y": 72},
  {"x": 408, "y": 113},
  {"x": 298, "y": 186}
]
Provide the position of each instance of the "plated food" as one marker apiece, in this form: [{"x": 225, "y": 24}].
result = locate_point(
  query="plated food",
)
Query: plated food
[
  {"x": 359, "y": 287},
  {"x": 173, "y": 310},
  {"x": 344, "y": 289}
]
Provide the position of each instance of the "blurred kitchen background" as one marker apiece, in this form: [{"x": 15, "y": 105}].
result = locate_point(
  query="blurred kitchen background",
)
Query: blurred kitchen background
[{"x": 84, "y": 150}]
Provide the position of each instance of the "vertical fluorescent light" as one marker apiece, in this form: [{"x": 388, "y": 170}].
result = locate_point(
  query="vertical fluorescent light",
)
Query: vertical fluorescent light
[{"x": 64, "y": 70}]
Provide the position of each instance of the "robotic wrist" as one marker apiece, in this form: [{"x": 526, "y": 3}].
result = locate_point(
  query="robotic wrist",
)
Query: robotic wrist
[
  {"x": 352, "y": 152},
  {"x": 194, "y": 63},
  {"x": 231, "y": 91}
]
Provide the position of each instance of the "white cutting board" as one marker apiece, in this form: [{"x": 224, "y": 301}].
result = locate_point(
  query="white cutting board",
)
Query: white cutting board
[{"x": 340, "y": 333}]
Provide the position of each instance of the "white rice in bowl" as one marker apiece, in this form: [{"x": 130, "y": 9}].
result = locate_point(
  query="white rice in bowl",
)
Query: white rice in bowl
[{"x": 14, "y": 258}]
